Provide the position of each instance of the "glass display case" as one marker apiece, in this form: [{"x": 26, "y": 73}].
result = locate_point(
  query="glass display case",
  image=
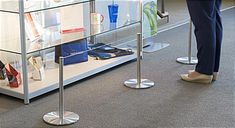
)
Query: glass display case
[{"x": 33, "y": 34}]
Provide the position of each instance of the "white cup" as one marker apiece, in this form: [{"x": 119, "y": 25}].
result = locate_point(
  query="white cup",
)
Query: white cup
[
  {"x": 96, "y": 18},
  {"x": 95, "y": 28}
]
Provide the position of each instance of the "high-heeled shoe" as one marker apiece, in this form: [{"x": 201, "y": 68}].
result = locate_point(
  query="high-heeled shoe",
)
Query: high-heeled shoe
[
  {"x": 215, "y": 74},
  {"x": 201, "y": 78},
  {"x": 38, "y": 73},
  {"x": 13, "y": 76},
  {"x": 2, "y": 71}
]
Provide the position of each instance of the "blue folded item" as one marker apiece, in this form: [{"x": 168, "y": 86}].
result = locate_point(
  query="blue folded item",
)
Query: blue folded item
[
  {"x": 99, "y": 55},
  {"x": 104, "y": 51},
  {"x": 74, "y": 52},
  {"x": 101, "y": 46}
]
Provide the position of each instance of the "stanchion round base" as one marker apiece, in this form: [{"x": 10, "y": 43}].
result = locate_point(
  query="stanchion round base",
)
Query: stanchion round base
[
  {"x": 53, "y": 118},
  {"x": 145, "y": 83},
  {"x": 185, "y": 60}
]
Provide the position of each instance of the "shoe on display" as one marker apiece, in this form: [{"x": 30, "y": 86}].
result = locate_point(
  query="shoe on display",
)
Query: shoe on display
[
  {"x": 200, "y": 78},
  {"x": 38, "y": 73},
  {"x": 13, "y": 76},
  {"x": 2, "y": 71}
]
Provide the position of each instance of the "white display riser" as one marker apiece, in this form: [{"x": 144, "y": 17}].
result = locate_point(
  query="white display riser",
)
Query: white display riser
[{"x": 72, "y": 73}]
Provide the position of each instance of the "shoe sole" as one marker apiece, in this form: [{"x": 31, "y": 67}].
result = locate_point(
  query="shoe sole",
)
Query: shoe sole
[
  {"x": 202, "y": 81},
  {"x": 199, "y": 81},
  {"x": 213, "y": 79}
]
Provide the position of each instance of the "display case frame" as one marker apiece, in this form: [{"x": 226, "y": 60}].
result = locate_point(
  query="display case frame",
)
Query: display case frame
[{"x": 29, "y": 90}]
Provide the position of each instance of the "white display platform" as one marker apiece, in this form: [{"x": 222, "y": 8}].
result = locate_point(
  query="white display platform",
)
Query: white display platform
[{"x": 72, "y": 73}]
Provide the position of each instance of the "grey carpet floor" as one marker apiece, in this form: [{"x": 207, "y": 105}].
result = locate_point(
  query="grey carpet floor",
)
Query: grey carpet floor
[{"x": 103, "y": 102}]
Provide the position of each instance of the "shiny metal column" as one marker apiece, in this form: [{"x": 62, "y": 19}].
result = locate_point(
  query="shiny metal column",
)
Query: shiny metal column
[
  {"x": 141, "y": 29},
  {"x": 163, "y": 13},
  {"x": 62, "y": 117},
  {"x": 139, "y": 83},
  {"x": 23, "y": 52},
  {"x": 163, "y": 7},
  {"x": 188, "y": 60},
  {"x": 92, "y": 10}
]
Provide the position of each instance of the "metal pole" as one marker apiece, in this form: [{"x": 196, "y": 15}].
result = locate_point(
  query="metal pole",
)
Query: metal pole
[
  {"x": 139, "y": 83},
  {"x": 141, "y": 16},
  {"x": 62, "y": 117},
  {"x": 92, "y": 10},
  {"x": 190, "y": 41},
  {"x": 23, "y": 52},
  {"x": 92, "y": 6},
  {"x": 139, "y": 49},
  {"x": 163, "y": 7},
  {"x": 188, "y": 60},
  {"x": 163, "y": 11},
  {"x": 61, "y": 86},
  {"x": 141, "y": 28}
]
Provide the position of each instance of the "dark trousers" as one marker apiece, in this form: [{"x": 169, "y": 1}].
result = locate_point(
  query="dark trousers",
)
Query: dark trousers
[{"x": 205, "y": 15}]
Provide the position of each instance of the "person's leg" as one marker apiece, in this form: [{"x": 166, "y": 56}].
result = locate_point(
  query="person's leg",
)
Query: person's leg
[
  {"x": 204, "y": 19},
  {"x": 219, "y": 36}
]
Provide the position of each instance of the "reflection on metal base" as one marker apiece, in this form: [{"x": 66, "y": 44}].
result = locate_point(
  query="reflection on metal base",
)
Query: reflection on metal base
[
  {"x": 185, "y": 60},
  {"x": 54, "y": 119},
  {"x": 153, "y": 47},
  {"x": 145, "y": 83}
]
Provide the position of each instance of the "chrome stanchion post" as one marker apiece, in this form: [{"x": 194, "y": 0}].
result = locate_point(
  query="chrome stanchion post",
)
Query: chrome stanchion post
[
  {"x": 188, "y": 60},
  {"x": 163, "y": 7},
  {"x": 190, "y": 42},
  {"x": 139, "y": 83},
  {"x": 62, "y": 117},
  {"x": 139, "y": 52},
  {"x": 92, "y": 10},
  {"x": 163, "y": 13},
  {"x": 61, "y": 91}
]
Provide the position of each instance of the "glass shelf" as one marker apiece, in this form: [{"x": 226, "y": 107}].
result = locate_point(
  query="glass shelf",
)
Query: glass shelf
[
  {"x": 51, "y": 36},
  {"x": 53, "y": 39},
  {"x": 9, "y": 33},
  {"x": 12, "y": 6},
  {"x": 69, "y": 37}
]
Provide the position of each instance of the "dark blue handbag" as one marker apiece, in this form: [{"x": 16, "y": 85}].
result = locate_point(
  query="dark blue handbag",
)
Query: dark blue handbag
[
  {"x": 75, "y": 52},
  {"x": 103, "y": 51}
]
